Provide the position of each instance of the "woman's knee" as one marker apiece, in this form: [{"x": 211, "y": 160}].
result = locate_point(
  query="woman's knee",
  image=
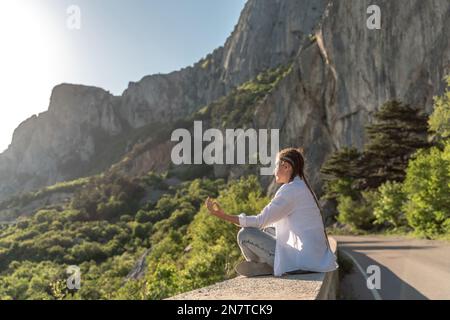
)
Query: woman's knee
[
  {"x": 246, "y": 233},
  {"x": 240, "y": 235}
]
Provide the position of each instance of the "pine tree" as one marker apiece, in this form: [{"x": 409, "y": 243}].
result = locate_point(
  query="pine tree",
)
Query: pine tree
[
  {"x": 340, "y": 171},
  {"x": 397, "y": 132},
  {"x": 342, "y": 164}
]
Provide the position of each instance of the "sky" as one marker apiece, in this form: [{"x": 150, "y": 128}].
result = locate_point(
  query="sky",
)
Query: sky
[{"x": 103, "y": 43}]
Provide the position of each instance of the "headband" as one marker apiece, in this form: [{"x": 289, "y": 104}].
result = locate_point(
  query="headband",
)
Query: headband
[{"x": 288, "y": 160}]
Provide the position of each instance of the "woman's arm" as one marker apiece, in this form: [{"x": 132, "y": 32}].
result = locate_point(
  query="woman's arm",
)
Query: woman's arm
[
  {"x": 215, "y": 210},
  {"x": 278, "y": 208}
]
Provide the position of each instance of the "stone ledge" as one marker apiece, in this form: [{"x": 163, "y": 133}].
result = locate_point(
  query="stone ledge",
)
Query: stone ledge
[{"x": 312, "y": 286}]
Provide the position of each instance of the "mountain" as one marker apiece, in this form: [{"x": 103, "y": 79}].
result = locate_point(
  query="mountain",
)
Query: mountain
[{"x": 340, "y": 73}]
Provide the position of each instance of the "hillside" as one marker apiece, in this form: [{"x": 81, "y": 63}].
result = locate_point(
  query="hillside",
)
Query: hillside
[
  {"x": 90, "y": 181},
  {"x": 342, "y": 73}
]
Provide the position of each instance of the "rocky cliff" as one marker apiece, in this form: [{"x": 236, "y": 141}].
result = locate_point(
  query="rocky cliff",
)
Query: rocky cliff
[
  {"x": 342, "y": 72},
  {"x": 58, "y": 144},
  {"x": 269, "y": 33},
  {"x": 349, "y": 71}
]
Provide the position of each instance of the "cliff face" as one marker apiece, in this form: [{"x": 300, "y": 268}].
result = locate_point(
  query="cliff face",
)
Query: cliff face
[
  {"x": 350, "y": 71},
  {"x": 268, "y": 33},
  {"x": 48, "y": 148},
  {"x": 407, "y": 59},
  {"x": 57, "y": 144},
  {"x": 338, "y": 80}
]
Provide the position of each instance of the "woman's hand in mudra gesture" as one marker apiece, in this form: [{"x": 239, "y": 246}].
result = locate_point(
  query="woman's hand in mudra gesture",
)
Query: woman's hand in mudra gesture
[{"x": 213, "y": 207}]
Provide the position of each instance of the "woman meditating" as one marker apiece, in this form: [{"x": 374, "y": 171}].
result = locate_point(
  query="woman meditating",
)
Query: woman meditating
[{"x": 288, "y": 235}]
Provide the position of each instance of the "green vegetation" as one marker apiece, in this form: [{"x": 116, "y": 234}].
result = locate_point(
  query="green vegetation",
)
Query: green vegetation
[
  {"x": 427, "y": 189},
  {"x": 388, "y": 208},
  {"x": 358, "y": 214},
  {"x": 400, "y": 181},
  {"x": 237, "y": 108},
  {"x": 107, "y": 197},
  {"x": 22, "y": 200},
  {"x": 107, "y": 227},
  {"x": 206, "y": 251},
  {"x": 439, "y": 121},
  {"x": 397, "y": 132},
  {"x": 110, "y": 221}
]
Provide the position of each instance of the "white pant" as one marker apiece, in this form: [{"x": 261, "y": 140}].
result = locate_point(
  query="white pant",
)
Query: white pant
[{"x": 257, "y": 245}]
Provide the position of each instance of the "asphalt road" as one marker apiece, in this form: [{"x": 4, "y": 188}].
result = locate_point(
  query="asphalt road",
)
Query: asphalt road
[{"x": 409, "y": 268}]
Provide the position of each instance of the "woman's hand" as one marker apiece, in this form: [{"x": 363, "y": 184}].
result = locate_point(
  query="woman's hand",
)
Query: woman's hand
[{"x": 213, "y": 207}]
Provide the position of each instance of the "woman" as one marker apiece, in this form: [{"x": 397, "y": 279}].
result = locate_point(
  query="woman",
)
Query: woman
[{"x": 297, "y": 240}]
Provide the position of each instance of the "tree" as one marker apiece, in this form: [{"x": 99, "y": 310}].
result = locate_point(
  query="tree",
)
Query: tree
[
  {"x": 389, "y": 207},
  {"x": 108, "y": 197},
  {"x": 397, "y": 132},
  {"x": 427, "y": 188},
  {"x": 439, "y": 121},
  {"x": 340, "y": 171},
  {"x": 343, "y": 164},
  {"x": 427, "y": 184},
  {"x": 358, "y": 214}
]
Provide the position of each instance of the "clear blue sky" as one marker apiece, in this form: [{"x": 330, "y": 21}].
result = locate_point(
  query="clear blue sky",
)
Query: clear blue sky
[{"x": 119, "y": 41}]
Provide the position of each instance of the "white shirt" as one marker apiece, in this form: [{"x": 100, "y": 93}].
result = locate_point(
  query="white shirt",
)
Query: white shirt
[{"x": 300, "y": 237}]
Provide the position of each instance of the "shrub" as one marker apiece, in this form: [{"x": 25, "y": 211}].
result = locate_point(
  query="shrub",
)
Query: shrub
[
  {"x": 427, "y": 188},
  {"x": 388, "y": 209},
  {"x": 87, "y": 251},
  {"x": 142, "y": 230},
  {"x": 143, "y": 216},
  {"x": 439, "y": 121},
  {"x": 358, "y": 214}
]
